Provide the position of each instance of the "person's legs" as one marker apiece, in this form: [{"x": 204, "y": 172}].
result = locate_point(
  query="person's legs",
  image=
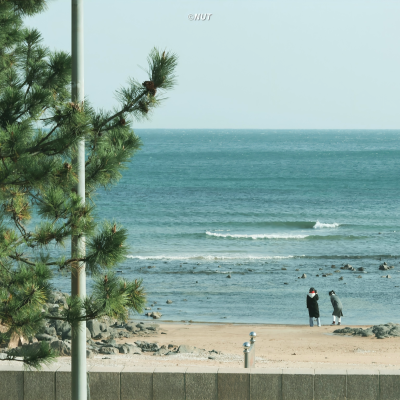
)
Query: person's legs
[
  {"x": 311, "y": 321},
  {"x": 319, "y": 321},
  {"x": 339, "y": 320},
  {"x": 334, "y": 320}
]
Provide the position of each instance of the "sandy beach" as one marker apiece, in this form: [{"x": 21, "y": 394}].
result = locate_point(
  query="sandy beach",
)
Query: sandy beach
[{"x": 278, "y": 346}]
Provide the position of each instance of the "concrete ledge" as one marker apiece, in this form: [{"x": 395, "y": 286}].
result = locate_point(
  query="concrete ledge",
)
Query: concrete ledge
[
  {"x": 133, "y": 383},
  {"x": 297, "y": 384},
  {"x": 63, "y": 383},
  {"x": 265, "y": 382},
  {"x": 330, "y": 384},
  {"x": 104, "y": 383},
  {"x": 169, "y": 384},
  {"x": 362, "y": 385},
  {"x": 137, "y": 383},
  {"x": 11, "y": 382},
  {"x": 234, "y": 384},
  {"x": 40, "y": 385},
  {"x": 389, "y": 385},
  {"x": 201, "y": 383}
]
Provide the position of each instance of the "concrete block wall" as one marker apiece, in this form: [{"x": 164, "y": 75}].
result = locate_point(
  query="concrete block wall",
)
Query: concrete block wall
[{"x": 133, "y": 383}]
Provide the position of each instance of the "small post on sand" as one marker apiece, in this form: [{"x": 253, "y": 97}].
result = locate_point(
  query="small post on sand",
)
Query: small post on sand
[{"x": 250, "y": 351}]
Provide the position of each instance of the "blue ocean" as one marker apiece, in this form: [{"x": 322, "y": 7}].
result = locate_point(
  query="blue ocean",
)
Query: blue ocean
[{"x": 263, "y": 207}]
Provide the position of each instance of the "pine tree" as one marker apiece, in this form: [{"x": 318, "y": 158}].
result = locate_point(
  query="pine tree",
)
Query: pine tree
[{"x": 39, "y": 131}]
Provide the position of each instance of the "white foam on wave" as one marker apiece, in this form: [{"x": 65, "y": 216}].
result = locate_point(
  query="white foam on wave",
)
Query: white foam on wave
[
  {"x": 258, "y": 236},
  {"x": 207, "y": 257},
  {"x": 320, "y": 225}
]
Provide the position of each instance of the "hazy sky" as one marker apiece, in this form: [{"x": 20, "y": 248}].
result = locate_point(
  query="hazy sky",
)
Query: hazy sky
[{"x": 270, "y": 64}]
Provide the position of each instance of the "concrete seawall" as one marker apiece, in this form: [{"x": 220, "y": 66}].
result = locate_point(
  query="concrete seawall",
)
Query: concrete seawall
[{"x": 182, "y": 383}]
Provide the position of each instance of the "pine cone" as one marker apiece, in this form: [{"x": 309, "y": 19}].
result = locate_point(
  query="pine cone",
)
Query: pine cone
[
  {"x": 67, "y": 166},
  {"x": 122, "y": 121},
  {"x": 149, "y": 85},
  {"x": 114, "y": 229}
]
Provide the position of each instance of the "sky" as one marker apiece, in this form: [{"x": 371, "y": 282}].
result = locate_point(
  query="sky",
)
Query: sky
[{"x": 271, "y": 64}]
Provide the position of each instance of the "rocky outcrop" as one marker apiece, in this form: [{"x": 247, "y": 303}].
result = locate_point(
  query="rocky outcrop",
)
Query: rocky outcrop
[
  {"x": 382, "y": 331},
  {"x": 385, "y": 267}
]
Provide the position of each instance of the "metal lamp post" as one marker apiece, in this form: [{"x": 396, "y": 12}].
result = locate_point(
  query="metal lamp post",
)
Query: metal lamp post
[
  {"x": 250, "y": 351},
  {"x": 78, "y": 273}
]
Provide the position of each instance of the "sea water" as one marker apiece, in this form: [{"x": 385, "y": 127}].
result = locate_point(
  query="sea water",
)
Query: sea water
[{"x": 265, "y": 207}]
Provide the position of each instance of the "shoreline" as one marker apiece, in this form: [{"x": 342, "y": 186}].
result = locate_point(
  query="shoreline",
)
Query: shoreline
[{"x": 166, "y": 322}]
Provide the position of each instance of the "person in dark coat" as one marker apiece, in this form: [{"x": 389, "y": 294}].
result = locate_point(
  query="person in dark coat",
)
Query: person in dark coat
[
  {"x": 312, "y": 305},
  {"x": 337, "y": 307}
]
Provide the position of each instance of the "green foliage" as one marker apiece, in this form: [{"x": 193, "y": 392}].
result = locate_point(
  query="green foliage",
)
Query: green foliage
[{"x": 39, "y": 131}]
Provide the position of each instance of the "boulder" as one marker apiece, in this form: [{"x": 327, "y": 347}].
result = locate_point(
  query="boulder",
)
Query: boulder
[
  {"x": 148, "y": 347},
  {"x": 169, "y": 301},
  {"x": 61, "y": 326},
  {"x": 103, "y": 327},
  {"x": 14, "y": 341},
  {"x": 229, "y": 276},
  {"x": 53, "y": 308},
  {"x": 108, "y": 350},
  {"x": 386, "y": 330},
  {"x": 187, "y": 349},
  {"x": 50, "y": 330},
  {"x": 94, "y": 327},
  {"x": 156, "y": 315},
  {"x": 131, "y": 327},
  {"x": 45, "y": 337},
  {"x": 161, "y": 352},
  {"x": 360, "y": 269},
  {"x": 61, "y": 347},
  {"x": 382, "y": 331},
  {"x": 67, "y": 334},
  {"x": 123, "y": 349},
  {"x": 384, "y": 267},
  {"x": 304, "y": 276}
]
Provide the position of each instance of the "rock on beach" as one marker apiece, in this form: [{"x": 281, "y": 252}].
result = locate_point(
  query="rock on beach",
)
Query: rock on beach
[{"x": 382, "y": 331}]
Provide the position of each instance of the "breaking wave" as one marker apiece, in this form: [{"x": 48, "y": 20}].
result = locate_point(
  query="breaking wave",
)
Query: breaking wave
[
  {"x": 257, "y": 236},
  {"x": 320, "y": 225}
]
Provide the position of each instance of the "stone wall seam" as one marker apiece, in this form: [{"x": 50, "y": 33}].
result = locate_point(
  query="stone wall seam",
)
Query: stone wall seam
[
  {"x": 379, "y": 384},
  {"x": 314, "y": 385}
]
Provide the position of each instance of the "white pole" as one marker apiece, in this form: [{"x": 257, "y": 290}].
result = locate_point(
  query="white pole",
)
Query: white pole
[{"x": 78, "y": 274}]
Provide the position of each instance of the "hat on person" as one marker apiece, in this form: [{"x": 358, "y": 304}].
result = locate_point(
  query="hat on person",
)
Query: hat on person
[
  {"x": 312, "y": 290},
  {"x": 331, "y": 292}
]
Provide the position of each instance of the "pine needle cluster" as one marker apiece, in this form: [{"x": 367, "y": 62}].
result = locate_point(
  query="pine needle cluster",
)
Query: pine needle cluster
[{"x": 39, "y": 131}]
